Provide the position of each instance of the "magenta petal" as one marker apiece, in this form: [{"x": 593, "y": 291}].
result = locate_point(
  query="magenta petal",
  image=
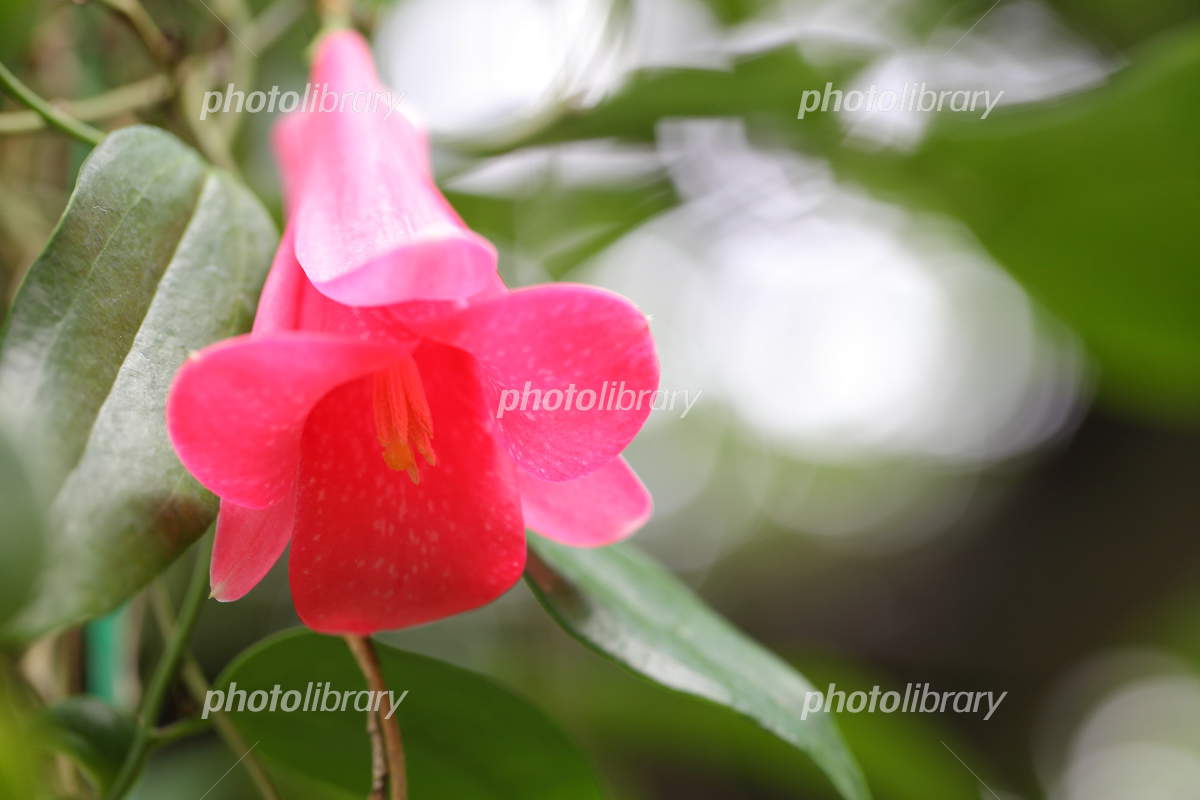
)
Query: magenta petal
[
  {"x": 535, "y": 346},
  {"x": 236, "y": 411},
  {"x": 371, "y": 227},
  {"x": 248, "y": 543},
  {"x": 600, "y": 508},
  {"x": 374, "y": 551}
]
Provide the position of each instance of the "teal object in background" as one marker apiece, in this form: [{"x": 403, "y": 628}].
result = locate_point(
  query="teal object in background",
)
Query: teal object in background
[{"x": 104, "y": 655}]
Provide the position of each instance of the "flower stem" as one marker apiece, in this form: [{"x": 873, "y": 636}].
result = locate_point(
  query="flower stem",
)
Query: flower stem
[
  {"x": 55, "y": 118},
  {"x": 335, "y": 14},
  {"x": 379, "y": 727},
  {"x": 164, "y": 673}
]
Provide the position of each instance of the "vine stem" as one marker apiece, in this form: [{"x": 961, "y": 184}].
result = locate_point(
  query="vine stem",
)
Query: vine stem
[
  {"x": 54, "y": 118},
  {"x": 164, "y": 673},
  {"x": 135, "y": 14},
  {"x": 198, "y": 687},
  {"x": 130, "y": 97},
  {"x": 384, "y": 733}
]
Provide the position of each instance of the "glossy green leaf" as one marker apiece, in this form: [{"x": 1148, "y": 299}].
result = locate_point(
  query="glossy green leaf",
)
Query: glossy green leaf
[
  {"x": 92, "y": 732},
  {"x": 156, "y": 256},
  {"x": 464, "y": 736},
  {"x": 620, "y": 602}
]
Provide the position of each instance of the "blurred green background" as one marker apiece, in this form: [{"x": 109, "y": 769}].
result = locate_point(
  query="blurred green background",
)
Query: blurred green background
[{"x": 950, "y": 367}]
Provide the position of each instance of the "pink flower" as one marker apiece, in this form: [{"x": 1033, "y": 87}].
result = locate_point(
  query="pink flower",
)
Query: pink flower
[
  {"x": 359, "y": 419},
  {"x": 370, "y": 226}
]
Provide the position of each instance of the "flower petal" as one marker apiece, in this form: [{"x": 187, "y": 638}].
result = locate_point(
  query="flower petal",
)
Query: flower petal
[
  {"x": 236, "y": 411},
  {"x": 282, "y": 296},
  {"x": 600, "y": 508},
  {"x": 248, "y": 543},
  {"x": 374, "y": 551},
  {"x": 585, "y": 350},
  {"x": 371, "y": 226}
]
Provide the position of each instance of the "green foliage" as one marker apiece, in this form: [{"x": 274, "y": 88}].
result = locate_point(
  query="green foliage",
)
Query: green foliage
[
  {"x": 156, "y": 255},
  {"x": 618, "y": 601},
  {"x": 20, "y": 532},
  {"x": 1087, "y": 200},
  {"x": 92, "y": 732},
  {"x": 464, "y": 736},
  {"x": 1090, "y": 202},
  {"x": 561, "y": 227},
  {"x": 763, "y": 89}
]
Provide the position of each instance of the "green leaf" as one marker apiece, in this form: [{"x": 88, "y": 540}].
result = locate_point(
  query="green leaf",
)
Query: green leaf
[
  {"x": 94, "y": 733},
  {"x": 21, "y": 532},
  {"x": 619, "y": 602},
  {"x": 1091, "y": 203},
  {"x": 464, "y": 736},
  {"x": 156, "y": 255}
]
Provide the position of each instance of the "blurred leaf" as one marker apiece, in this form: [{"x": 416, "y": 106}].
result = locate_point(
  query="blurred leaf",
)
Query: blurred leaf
[
  {"x": 18, "y": 16},
  {"x": 1088, "y": 200},
  {"x": 20, "y": 532},
  {"x": 464, "y": 736},
  {"x": 637, "y": 722},
  {"x": 562, "y": 226},
  {"x": 1118, "y": 24},
  {"x": 94, "y": 733},
  {"x": 1091, "y": 202},
  {"x": 156, "y": 255},
  {"x": 905, "y": 755},
  {"x": 763, "y": 87},
  {"x": 19, "y": 745},
  {"x": 735, "y": 12},
  {"x": 618, "y": 601}
]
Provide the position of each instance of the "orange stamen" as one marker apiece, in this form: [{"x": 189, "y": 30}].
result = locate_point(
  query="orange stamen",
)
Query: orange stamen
[{"x": 403, "y": 423}]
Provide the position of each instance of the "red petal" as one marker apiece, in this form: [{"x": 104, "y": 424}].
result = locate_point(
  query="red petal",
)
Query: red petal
[
  {"x": 550, "y": 338},
  {"x": 247, "y": 545},
  {"x": 371, "y": 227},
  {"x": 600, "y": 508},
  {"x": 237, "y": 409},
  {"x": 373, "y": 551}
]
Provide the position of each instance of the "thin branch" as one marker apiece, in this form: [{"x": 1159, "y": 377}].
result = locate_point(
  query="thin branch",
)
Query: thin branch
[
  {"x": 272, "y": 22},
  {"x": 196, "y": 74},
  {"x": 55, "y": 118},
  {"x": 393, "y": 748},
  {"x": 134, "y": 13},
  {"x": 113, "y": 103},
  {"x": 181, "y": 730}
]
